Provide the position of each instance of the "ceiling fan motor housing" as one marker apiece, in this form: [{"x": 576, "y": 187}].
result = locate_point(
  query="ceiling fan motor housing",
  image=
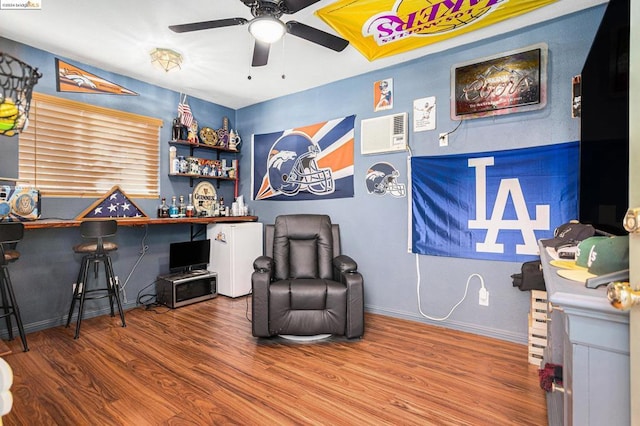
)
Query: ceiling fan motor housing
[{"x": 266, "y": 8}]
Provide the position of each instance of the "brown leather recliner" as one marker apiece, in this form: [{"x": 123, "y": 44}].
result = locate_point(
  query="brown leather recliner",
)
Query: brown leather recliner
[{"x": 302, "y": 285}]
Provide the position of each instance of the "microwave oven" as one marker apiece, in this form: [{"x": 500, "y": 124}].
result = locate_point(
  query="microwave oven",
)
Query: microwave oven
[{"x": 185, "y": 288}]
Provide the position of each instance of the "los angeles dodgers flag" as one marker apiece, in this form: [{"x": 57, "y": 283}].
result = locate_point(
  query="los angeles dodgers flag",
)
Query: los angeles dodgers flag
[{"x": 493, "y": 205}]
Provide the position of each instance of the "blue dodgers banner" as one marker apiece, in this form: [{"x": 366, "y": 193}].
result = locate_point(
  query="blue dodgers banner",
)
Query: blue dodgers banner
[
  {"x": 492, "y": 205},
  {"x": 304, "y": 163}
]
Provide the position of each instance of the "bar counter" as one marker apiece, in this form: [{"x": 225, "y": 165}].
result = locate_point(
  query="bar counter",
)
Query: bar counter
[{"x": 70, "y": 223}]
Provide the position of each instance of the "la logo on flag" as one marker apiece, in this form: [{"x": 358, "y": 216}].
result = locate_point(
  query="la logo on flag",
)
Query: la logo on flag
[
  {"x": 493, "y": 205},
  {"x": 508, "y": 188}
]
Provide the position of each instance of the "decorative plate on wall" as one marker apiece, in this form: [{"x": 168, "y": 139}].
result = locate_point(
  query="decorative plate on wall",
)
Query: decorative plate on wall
[
  {"x": 204, "y": 195},
  {"x": 208, "y": 136}
]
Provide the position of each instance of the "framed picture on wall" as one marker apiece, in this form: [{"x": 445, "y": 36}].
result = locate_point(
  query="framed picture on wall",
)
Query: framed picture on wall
[
  {"x": 383, "y": 94},
  {"x": 506, "y": 83},
  {"x": 424, "y": 114}
]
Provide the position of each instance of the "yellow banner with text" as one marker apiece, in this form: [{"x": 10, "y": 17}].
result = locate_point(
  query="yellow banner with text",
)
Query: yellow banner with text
[{"x": 380, "y": 28}]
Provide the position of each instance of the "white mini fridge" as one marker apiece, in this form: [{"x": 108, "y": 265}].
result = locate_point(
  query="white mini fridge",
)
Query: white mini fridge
[{"x": 234, "y": 247}]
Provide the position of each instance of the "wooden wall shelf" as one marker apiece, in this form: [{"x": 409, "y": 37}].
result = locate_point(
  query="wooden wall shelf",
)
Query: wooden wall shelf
[{"x": 70, "y": 223}]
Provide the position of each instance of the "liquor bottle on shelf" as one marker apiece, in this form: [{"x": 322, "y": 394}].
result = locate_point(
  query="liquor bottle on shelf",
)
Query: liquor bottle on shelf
[
  {"x": 173, "y": 209},
  {"x": 215, "y": 208},
  {"x": 190, "y": 207},
  {"x": 163, "y": 209},
  {"x": 221, "y": 207},
  {"x": 182, "y": 207}
]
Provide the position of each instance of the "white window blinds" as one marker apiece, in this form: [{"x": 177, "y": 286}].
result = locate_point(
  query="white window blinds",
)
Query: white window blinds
[{"x": 74, "y": 149}]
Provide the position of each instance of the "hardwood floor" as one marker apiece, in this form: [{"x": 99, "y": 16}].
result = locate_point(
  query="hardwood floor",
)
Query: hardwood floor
[{"x": 199, "y": 365}]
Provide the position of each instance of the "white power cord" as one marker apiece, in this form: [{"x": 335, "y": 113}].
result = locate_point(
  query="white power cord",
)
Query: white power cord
[
  {"x": 484, "y": 294},
  {"x": 456, "y": 305}
]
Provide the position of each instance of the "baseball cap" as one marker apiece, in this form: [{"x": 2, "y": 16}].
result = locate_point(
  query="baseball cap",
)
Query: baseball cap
[
  {"x": 570, "y": 233},
  {"x": 610, "y": 254},
  {"x": 582, "y": 255},
  {"x": 564, "y": 252}
]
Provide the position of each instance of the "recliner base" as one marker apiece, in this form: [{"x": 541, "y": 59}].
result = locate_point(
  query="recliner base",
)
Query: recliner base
[{"x": 313, "y": 338}]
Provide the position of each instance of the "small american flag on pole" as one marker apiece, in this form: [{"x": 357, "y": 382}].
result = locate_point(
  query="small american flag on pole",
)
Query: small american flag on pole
[{"x": 184, "y": 112}]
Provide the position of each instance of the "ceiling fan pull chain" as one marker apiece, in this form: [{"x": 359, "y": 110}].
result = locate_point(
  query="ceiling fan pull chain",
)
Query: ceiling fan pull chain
[{"x": 284, "y": 62}]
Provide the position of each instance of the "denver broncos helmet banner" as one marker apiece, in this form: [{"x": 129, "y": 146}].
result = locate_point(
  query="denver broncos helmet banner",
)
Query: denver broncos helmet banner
[
  {"x": 380, "y": 28},
  {"x": 492, "y": 205},
  {"x": 305, "y": 163}
]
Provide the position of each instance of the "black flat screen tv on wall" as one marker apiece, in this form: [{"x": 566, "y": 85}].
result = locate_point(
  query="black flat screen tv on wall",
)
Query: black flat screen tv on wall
[
  {"x": 604, "y": 127},
  {"x": 189, "y": 255}
]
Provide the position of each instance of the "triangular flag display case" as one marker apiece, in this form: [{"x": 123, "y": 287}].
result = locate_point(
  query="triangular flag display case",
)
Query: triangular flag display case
[{"x": 114, "y": 205}]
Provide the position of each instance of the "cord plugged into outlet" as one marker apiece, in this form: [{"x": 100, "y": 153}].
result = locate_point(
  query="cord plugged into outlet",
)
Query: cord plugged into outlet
[
  {"x": 483, "y": 299},
  {"x": 484, "y": 294},
  {"x": 444, "y": 139}
]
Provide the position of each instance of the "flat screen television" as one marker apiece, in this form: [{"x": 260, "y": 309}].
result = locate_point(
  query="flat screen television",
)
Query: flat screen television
[
  {"x": 604, "y": 125},
  {"x": 189, "y": 255}
]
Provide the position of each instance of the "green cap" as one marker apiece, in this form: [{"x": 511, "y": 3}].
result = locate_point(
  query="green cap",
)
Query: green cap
[
  {"x": 582, "y": 255},
  {"x": 610, "y": 254}
]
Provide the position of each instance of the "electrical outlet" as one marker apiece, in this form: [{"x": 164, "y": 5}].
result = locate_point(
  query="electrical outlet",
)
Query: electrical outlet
[
  {"x": 444, "y": 139},
  {"x": 483, "y": 299}
]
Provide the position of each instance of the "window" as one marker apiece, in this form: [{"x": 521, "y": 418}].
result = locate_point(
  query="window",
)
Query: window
[{"x": 74, "y": 149}]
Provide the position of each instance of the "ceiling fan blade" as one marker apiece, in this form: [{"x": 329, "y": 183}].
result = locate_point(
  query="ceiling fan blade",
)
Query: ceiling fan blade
[
  {"x": 317, "y": 36},
  {"x": 293, "y": 6},
  {"x": 260, "y": 54},
  {"x": 205, "y": 25}
]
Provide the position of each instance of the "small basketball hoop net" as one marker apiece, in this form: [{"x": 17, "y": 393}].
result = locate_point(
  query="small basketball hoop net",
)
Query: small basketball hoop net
[{"x": 16, "y": 84}]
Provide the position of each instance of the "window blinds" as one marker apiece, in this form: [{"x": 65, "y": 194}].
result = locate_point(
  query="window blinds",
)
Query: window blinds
[{"x": 76, "y": 149}]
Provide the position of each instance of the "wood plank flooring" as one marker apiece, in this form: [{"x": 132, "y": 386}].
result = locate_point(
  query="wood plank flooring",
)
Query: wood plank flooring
[{"x": 199, "y": 365}]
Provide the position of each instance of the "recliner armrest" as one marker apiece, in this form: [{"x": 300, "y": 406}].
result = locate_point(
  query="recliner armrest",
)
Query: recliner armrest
[
  {"x": 345, "y": 264},
  {"x": 260, "y": 280},
  {"x": 263, "y": 264},
  {"x": 346, "y": 271}
]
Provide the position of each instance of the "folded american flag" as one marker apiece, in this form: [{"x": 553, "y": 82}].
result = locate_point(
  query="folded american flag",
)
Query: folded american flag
[{"x": 115, "y": 204}]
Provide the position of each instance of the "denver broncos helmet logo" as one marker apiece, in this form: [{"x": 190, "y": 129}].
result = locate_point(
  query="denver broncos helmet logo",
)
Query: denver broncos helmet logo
[{"x": 278, "y": 158}]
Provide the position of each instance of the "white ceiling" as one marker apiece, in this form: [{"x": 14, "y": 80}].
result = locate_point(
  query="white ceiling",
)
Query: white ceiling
[{"x": 117, "y": 35}]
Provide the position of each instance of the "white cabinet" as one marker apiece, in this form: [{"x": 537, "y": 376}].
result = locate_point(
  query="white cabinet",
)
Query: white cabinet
[{"x": 234, "y": 247}]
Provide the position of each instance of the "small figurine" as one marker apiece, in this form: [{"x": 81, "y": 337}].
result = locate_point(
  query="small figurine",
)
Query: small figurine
[{"x": 193, "y": 133}]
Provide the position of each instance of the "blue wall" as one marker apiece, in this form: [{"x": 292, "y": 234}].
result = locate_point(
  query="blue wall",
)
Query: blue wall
[
  {"x": 374, "y": 228},
  {"x": 47, "y": 268}
]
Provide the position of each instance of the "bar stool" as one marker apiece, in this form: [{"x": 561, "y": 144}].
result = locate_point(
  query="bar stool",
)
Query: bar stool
[
  {"x": 95, "y": 252},
  {"x": 10, "y": 234}
]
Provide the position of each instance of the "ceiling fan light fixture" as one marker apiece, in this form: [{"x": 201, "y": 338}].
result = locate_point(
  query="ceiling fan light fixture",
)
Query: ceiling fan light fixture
[
  {"x": 267, "y": 29},
  {"x": 166, "y": 59}
]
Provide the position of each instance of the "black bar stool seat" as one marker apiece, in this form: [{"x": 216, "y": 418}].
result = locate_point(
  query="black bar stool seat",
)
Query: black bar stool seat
[
  {"x": 10, "y": 234},
  {"x": 95, "y": 252}
]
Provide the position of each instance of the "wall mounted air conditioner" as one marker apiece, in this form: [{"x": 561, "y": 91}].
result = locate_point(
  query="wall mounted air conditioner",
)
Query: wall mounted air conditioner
[{"x": 384, "y": 134}]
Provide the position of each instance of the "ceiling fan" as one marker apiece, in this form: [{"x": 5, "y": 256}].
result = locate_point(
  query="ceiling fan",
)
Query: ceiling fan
[{"x": 266, "y": 27}]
